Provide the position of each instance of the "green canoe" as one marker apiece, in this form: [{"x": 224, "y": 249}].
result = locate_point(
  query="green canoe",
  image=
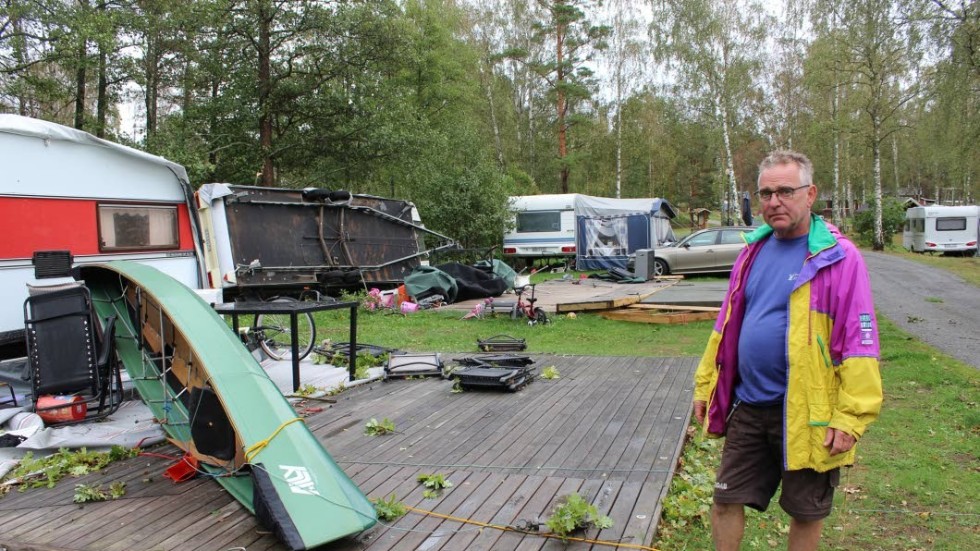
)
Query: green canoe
[{"x": 217, "y": 404}]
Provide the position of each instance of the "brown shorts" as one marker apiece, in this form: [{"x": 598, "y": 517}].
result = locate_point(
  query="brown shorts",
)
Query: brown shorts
[{"x": 752, "y": 468}]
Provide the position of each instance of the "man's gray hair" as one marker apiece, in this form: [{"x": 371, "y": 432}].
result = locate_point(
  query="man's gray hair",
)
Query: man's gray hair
[{"x": 785, "y": 157}]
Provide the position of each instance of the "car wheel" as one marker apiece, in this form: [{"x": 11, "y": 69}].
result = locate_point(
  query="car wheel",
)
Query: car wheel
[{"x": 660, "y": 268}]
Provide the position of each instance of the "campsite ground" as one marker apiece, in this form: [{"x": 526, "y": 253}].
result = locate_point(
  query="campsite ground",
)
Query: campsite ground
[{"x": 915, "y": 483}]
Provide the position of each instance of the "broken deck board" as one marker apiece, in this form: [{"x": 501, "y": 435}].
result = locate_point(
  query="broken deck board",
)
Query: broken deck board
[
  {"x": 578, "y": 295},
  {"x": 653, "y": 306},
  {"x": 610, "y": 428},
  {"x": 654, "y": 316}
]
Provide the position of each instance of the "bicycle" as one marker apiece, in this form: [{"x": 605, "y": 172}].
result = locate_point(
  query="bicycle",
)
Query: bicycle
[
  {"x": 526, "y": 308},
  {"x": 271, "y": 332}
]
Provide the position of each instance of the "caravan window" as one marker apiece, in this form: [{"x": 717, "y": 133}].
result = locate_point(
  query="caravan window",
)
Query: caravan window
[
  {"x": 951, "y": 224},
  {"x": 137, "y": 227},
  {"x": 528, "y": 222}
]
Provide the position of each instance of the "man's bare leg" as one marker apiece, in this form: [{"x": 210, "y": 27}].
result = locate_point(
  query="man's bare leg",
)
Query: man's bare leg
[
  {"x": 804, "y": 535},
  {"x": 727, "y": 525}
]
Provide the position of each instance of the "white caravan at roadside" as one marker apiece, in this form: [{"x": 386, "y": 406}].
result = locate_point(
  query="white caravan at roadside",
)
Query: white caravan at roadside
[{"x": 945, "y": 229}]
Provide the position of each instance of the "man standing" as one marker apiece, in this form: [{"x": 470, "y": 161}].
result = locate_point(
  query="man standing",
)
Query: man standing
[{"x": 790, "y": 374}]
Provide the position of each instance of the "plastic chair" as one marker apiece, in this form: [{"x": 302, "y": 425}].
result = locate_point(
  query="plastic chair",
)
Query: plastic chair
[{"x": 67, "y": 358}]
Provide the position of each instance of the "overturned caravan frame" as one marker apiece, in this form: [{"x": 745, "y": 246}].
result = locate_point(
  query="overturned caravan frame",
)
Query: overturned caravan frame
[{"x": 268, "y": 241}]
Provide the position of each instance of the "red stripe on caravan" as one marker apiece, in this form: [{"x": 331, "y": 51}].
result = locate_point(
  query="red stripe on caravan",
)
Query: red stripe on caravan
[{"x": 37, "y": 224}]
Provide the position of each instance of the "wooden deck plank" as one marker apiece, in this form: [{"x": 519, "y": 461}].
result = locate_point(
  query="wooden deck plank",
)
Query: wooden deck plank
[
  {"x": 422, "y": 528},
  {"x": 486, "y": 508},
  {"x": 167, "y": 525},
  {"x": 507, "y": 513},
  {"x": 603, "y": 454},
  {"x": 609, "y": 428},
  {"x": 587, "y": 445},
  {"x": 533, "y": 542},
  {"x": 576, "y": 430}
]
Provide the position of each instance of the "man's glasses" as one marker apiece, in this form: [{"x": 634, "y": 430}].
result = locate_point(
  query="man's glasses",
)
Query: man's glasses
[{"x": 783, "y": 193}]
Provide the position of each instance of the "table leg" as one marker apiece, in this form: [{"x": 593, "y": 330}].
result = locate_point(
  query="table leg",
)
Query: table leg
[
  {"x": 353, "y": 341},
  {"x": 294, "y": 344}
]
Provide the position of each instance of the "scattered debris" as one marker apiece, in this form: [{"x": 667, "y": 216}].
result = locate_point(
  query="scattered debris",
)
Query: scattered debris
[
  {"x": 495, "y": 372},
  {"x": 502, "y": 343},
  {"x": 379, "y": 428}
]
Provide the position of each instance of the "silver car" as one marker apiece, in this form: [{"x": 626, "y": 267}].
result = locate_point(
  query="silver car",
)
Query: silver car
[{"x": 705, "y": 251}]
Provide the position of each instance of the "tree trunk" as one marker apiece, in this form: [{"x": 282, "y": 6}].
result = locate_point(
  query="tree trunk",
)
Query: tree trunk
[
  {"x": 895, "y": 163},
  {"x": 838, "y": 212},
  {"x": 734, "y": 209},
  {"x": 102, "y": 96},
  {"x": 879, "y": 238},
  {"x": 488, "y": 82},
  {"x": 619, "y": 133},
  {"x": 151, "y": 72},
  {"x": 265, "y": 92},
  {"x": 18, "y": 45},
  {"x": 80, "y": 85},
  {"x": 562, "y": 106}
]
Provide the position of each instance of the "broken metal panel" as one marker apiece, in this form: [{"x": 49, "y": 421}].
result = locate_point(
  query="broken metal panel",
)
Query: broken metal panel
[{"x": 279, "y": 238}]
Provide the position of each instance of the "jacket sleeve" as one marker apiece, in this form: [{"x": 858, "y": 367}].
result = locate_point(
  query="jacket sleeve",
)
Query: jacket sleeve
[
  {"x": 706, "y": 374},
  {"x": 855, "y": 348}
]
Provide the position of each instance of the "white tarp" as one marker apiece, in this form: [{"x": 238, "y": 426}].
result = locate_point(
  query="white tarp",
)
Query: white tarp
[{"x": 130, "y": 426}]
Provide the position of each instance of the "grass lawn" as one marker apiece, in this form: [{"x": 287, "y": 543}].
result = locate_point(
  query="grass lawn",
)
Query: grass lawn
[
  {"x": 914, "y": 486},
  {"x": 917, "y": 479}
]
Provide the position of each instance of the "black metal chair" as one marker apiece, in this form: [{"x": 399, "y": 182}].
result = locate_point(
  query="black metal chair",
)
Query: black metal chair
[{"x": 66, "y": 355}]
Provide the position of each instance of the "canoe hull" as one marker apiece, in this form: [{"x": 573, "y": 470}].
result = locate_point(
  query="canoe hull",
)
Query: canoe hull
[{"x": 218, "y": 404}]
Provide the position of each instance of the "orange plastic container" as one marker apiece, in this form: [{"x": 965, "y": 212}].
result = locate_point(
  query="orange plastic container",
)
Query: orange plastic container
[{"x": 74, "y": 408}]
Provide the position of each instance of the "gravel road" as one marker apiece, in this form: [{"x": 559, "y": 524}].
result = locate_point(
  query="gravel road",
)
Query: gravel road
[{"x": 932, "y": 304}]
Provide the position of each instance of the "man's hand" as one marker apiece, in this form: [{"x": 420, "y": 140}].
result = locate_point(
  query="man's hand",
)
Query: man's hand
[
  {"x": 700, "y": 408},
  {"x": 837, "y": 440}
]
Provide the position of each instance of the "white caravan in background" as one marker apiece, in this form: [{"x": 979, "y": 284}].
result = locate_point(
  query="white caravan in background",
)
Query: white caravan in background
[
  {"x": 944, "y": 229},
  {"x": 544, "y": 227}
]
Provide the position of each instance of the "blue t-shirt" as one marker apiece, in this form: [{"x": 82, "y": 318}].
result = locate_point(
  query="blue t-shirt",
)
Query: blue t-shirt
[{"x": 762, "y": 352}]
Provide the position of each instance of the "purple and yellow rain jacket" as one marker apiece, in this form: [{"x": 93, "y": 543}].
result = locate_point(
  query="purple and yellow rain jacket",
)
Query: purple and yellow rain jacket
[{"x": 831, "y": 348}]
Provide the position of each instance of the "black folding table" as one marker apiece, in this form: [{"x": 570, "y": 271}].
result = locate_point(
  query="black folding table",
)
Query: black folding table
[{"x": 294, "y": 309}]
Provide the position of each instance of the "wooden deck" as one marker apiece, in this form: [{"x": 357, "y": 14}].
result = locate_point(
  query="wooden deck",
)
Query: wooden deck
[{"x": 610, "y": 429}]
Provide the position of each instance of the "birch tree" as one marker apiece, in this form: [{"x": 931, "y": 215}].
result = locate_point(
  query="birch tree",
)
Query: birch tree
[
  {"x": 625, "y": 55},
  {"x": 877, "y": 43},
  {"x": 713, "y": 48}
]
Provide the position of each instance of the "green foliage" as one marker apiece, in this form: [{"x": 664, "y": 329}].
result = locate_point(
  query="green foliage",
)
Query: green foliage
[
  {"x": 389, "y": 509},
  {"x": 572, "y": 514},
  {"x": 892, "y": 218},
  {"x": 46, "y": 471},
  {"x": 379, "y": 428},
  {"x": 434, "y": 485},
  {"x": 550, "y": 372},
  {"x": 306, "y": 390},
  {"x": 86, "y": 494},
  {"x": 689, "y": 500}
]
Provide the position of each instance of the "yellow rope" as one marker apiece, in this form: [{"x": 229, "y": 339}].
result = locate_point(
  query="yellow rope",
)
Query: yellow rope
[
  {"x": 512, "y": 529},
  {"x": 257, "y": 447}
]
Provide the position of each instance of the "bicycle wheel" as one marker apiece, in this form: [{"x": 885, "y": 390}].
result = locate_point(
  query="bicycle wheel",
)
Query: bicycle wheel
[
  {"x": 540, "y": 316},
  {"x": 275, "y": 338}
]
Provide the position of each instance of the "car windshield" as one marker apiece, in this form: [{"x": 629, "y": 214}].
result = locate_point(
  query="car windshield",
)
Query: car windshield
[{"x": 700, "y": 239}]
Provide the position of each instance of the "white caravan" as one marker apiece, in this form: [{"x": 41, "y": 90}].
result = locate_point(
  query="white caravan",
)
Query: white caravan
[
  {"x": 945, "y": 229},
  {"x": 597, "y": 232},
  {"x": 544, "y": 227},
  {"x": 68, "y": 194}
]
